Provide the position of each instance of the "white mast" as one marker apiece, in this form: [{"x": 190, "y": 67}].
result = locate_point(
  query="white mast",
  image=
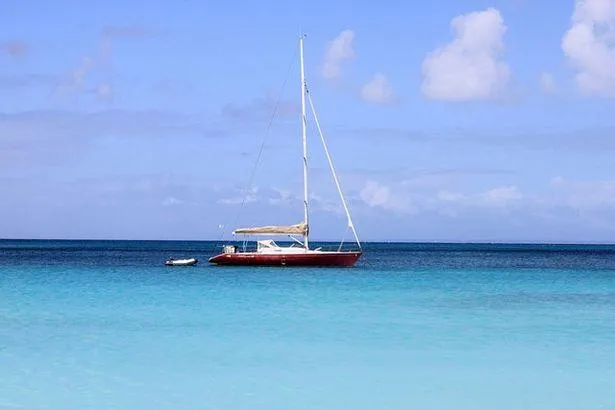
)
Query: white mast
[{"x": 304, "y": 139}]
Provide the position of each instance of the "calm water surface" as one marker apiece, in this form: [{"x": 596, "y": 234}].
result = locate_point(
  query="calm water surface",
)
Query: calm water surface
[{"x": 104, "y": 325}]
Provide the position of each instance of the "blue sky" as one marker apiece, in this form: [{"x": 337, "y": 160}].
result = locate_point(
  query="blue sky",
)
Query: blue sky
[{"x": 455, "y": 121}]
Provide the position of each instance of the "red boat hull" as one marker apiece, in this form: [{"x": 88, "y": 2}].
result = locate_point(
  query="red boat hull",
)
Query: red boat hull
[{"x": 294, "y": 259}]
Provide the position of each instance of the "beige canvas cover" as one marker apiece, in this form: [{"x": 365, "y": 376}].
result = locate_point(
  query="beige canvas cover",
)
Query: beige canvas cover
[{"x": 298, "y": 229}]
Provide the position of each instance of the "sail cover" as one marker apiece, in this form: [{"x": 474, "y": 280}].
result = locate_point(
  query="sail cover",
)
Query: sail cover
[{"x": 298, "y": 229}]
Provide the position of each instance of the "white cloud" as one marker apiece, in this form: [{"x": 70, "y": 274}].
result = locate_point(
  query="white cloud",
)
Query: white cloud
[
  {"x": 547, "y": 83},
  {"x": 244, "y": 198},
  {"x": 171, "y": 200},
  {"x": 280, "y": 198},
  {"x": 501, "y": 196},
  {"x": 589, "y": 46},
  {"x": 338, "y": 50},
  {"x": 377, "y": 90},
  {"x": 469, "y": 67},
  {"x": 493, "y": 198},
  {"x": 319, "y": 203},
  {"x": 427, "y": 196},
  {"x": 588, "y": 199},
  {"x": 238, "y": 200},
  {"x": 376, "y": 195}
]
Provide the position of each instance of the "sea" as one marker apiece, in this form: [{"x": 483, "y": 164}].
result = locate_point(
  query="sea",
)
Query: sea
[{"x": 105, "y": 325}]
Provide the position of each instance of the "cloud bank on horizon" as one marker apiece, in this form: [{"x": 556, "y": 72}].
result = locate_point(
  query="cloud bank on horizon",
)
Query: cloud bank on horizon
[{"x": 473, "y": 130}]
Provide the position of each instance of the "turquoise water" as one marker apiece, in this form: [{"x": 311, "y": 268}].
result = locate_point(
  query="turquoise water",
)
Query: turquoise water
[{"x": 104, "y": 325}]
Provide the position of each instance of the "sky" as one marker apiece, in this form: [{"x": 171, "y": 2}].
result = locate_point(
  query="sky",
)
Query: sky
[{"x": 469, "y": 121}]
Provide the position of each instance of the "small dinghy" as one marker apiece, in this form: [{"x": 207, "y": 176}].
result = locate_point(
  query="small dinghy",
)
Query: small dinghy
[{"x": 181, "y": 262}]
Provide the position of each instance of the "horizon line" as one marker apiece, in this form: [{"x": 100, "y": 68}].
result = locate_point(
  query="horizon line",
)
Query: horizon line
[{"x": 397, "y": 241}]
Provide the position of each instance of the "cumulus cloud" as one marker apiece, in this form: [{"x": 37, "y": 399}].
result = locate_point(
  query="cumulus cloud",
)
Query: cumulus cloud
[
  {"x": 377, "y": 195},
  {"x": 426, "y": 194},
  {"x": 501, "y": 196},
  {"x": 470, "y": 67},
  {"x": 377, "y": 90},
  {"x": 338, "y": 50},
  {"x": 589, "y": 46},
  {"x": 584, "y": 203}
]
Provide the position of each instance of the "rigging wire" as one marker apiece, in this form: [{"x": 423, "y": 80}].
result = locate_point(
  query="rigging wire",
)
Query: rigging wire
[
  {"x": 261, "y": 149},
  {"x": 335, "y": 179}
]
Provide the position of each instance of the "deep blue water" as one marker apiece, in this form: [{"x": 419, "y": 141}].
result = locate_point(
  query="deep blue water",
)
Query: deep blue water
[{"x": 104, "y": 325}]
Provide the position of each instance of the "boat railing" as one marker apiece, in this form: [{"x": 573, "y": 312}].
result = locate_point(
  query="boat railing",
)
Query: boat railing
[{"x": 321, "y": 246}]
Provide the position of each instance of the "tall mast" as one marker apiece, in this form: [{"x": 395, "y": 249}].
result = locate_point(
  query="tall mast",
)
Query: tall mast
[{"x": 304, "y": 139}]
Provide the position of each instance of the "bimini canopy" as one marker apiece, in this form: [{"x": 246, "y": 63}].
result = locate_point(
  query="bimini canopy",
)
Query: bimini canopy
[{"x": 298, "y": 229}]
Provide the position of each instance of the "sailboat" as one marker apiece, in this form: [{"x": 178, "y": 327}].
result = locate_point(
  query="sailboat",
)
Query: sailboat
[{"x": 268, "y": 252}]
